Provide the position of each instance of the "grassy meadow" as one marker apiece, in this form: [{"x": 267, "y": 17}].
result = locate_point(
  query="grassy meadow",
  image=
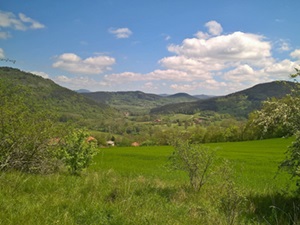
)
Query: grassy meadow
[{"x": 133, "y": 185}]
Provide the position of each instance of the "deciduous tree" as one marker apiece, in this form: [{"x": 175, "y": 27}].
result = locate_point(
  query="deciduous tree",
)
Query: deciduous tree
[{"x": 284, "y": 114}]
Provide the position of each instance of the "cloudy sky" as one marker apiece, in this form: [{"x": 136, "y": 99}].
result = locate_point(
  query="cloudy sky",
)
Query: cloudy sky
[{"x": 156, "y": 46}]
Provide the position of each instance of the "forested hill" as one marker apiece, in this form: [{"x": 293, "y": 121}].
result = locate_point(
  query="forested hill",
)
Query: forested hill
[
  {"x": 137, "y": 101},
  {"x": 44, "y": 92},
  {"x": 238, "y": 104}
]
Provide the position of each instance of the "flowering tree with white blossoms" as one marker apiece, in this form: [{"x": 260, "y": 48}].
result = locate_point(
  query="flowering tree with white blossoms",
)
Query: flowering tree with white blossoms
[{"x": 284, "y": 112}]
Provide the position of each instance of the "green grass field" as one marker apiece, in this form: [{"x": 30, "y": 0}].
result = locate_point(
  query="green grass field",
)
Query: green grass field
[
  {"x": 255, "y": 162},
  {"x": 133, "y": 185}
]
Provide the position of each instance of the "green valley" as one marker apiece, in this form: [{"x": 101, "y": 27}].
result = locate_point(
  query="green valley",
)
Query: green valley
[{"x": 136, "y": 158}]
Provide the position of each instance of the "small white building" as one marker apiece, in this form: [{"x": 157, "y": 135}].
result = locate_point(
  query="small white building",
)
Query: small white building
[{"x": 110, "y": 143}]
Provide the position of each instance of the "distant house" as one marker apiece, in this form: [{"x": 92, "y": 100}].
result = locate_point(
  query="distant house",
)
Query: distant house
[
  {"x": 110, "y": 143},
  {"x": 90, "y": 138},
  {"x": 135, "y": 144}
]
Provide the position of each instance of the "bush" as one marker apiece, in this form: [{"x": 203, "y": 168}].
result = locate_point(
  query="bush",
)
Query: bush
[
  {"x": 25, "y": 133},
  {"x": 292, "y": 161},
  {"x": 77, "y": 151},
  {"x": 197, "y": 160}
]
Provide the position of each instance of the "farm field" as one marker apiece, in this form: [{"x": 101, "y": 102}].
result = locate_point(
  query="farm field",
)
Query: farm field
[
  {"x": 133, "y": 185},
  {"x": 255, "y": 162}
]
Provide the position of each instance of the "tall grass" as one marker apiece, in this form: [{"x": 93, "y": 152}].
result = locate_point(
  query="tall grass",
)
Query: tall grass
[{"x": 133, "y": 186}]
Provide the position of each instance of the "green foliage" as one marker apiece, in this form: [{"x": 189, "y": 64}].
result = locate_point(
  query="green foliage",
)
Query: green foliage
[
  {"x": 196, "y": 160},
  {"x": 136, "y": 102},
  {"x": 292, "y": 161},
  {"x": 238, "y": 104},
  {"x": 25, "y": 132},
  {"x": 69, "y": 105},
  {"x": 77, "y": 151},
  {"x": 284, "y": 115},
  {"x": 31, "y": 137},
  {"x": 132, "y": 186}
]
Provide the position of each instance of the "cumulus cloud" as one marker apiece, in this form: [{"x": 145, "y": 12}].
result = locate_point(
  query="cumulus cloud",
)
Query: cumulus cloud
[
  {"x": 214, "y": 28},
  {"x": 209, "y": 85},
  {"x": 210, "y": 62},
  {"x": 237, "y": 46},
  {"x": 241, "y": 74},
  {"x": 79, "y": 82},
  {"x": 296, "y": 54},
  {"x": 156, "y": 75},
  {"x": 150, "y": 86},
  {"x": 91, "y": 65},
  {"x": 281, "y": 69},
  {"x": 120, "y": 32},
  {"x": 20, "y": 22}
]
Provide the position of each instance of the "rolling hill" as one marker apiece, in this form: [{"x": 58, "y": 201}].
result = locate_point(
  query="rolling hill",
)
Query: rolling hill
[
  {"x": 238, "y": 104},
  {"x": 101, "y": 105},
  {"x": 68, "y": 104},
  {"x": 137, "y": 102}
]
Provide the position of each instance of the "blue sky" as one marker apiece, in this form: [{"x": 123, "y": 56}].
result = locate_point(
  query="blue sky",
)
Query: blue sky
[{"x": 159, "y": 46}]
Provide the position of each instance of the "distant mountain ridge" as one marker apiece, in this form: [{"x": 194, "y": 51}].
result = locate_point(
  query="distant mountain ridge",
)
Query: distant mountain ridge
[
  {"x": 82, "y": 91},
  {"x": 101, "y": 105},
  {"x": 137, "y": 101},
  {"x": 238, "y": 104}
]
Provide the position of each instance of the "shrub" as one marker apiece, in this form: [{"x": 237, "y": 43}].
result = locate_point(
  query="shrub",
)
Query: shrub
[
  {"x": 25, "y": 131},
  {"x": 197, "y": 160},
  {"x": 77, "y": 152}
]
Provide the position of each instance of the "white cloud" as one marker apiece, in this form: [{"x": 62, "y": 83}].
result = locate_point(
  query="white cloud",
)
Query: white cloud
[
  {"x": 4, "y": 35},
  {"x": 150, "y": 86},
  {"x": 183, "y": 87},
  {"x": 202, "y": 35},
  {"x": 120, "y": 32},
  {"x": 2, "y": 53},
  {"x": 243, "y": 73},
  {"x": 40, "y": 73},
  {"x": 284, "y": 46},
  {"x": 209, "y": 63},
  {"x": 92, "y": 65},
  {"x": 33, "y": 23},
  {"x": 80, "y": 82},
  {"x": 281, "y": 70},
  {"x": 215, "y": 62},
  {"x": 209, "y": 85},
  {"x": 22, "y": 22},
  {"x": 126, "y": 77},
  {"x": 229, "y": 57},
  {"x": 9, "y": 20},
  {"x": 214, "y": 28},
  {"x": 237, "y": 46},
  {"x": 77, "y": 81},
  {"x": 296, "y": 54}
]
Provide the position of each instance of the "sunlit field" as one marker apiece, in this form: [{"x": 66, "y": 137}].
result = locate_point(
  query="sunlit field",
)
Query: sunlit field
[{"x": 133, "y": 185}]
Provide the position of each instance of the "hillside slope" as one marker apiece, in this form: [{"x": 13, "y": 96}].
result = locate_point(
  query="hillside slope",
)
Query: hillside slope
[
  {"x": 136, "y": 101},
  {"x": 68, "y": 104},
  {"x": 238, "y": 104}
]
